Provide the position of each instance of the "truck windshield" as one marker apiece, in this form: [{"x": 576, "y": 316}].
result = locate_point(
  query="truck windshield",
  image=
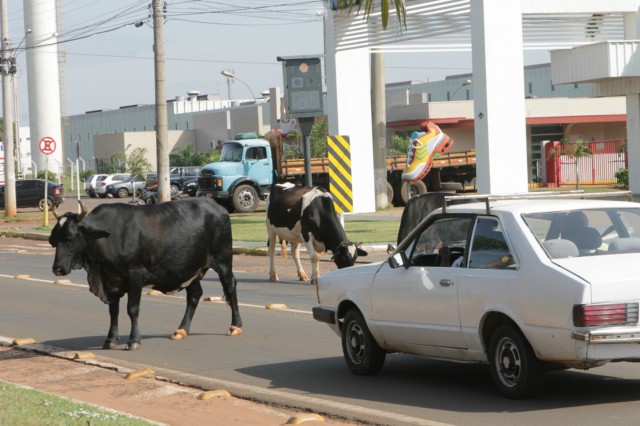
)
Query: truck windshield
[{"x": 231, "y": 152}]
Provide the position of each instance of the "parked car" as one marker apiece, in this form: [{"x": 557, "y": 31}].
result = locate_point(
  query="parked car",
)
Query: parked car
[
  {"x": 101, "y": 187},
  {"x": 91, "y": 183},
  {"x": 30, "y": 193},
  {"x": 125, "y": 188},
  {"x": 543, "y": 284}
]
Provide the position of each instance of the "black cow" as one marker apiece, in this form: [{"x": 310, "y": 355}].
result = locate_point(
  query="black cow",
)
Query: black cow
[
  {"x": 419, "y": 207},
  {"x": 168, "y": 246},
  {"x": 302, "y": 214}
]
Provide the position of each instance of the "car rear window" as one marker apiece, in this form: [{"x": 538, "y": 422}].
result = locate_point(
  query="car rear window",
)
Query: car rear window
[{"x": 587, "y": 232}]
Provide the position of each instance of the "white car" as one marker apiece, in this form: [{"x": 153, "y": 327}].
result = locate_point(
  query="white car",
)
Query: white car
[
  {"x": 543, "y": 284},
  {"x": 91, "y": 183}
]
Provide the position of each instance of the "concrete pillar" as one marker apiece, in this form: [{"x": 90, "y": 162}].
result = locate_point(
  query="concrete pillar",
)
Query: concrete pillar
[
  {"x": 631, "y": 31},
  {"x": 348, "y": 106},
  {"x": 498, "y": 86}
]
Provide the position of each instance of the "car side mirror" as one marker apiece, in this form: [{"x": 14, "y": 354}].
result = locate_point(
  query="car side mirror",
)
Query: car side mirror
[{"x": 398, "y": 260}]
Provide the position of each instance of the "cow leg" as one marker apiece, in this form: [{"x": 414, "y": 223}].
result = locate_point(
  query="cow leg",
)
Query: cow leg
[
  {"x": 283, "y": 248},
  {"x": 295, "y": 251},
  {"x": 315, "y": 262},
  {"x": 273, "y": 276},
  {"x": 112, "y": 336},
  {"x": 194, "y": 293},
  {"x": 133, "y": 309},
  {"x": 229, "y": 284}
]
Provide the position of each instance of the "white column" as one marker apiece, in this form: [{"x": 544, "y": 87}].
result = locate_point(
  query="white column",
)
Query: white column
[
  {"x": 348, "y": 106},
  {"x": 43, "y": 78},
  {"x": 498, "y": 87},
  {"x": 631, "y": 31}
]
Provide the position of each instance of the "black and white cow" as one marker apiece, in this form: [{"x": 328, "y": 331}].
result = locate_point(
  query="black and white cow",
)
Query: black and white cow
[
  {"x": 302, "y": 214},
  {"x": 168, "y": 247}
]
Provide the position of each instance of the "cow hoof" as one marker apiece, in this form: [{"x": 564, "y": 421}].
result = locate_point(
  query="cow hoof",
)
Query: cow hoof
[
  {"x": 179, "y": 334},
  {"x": 273, "y": 277},
  {"x": 234, "y": 331},
  {"x": 110, "y": 344},
  {"x": 133, "y": 346},
  {"x": 314, "y": 282}
]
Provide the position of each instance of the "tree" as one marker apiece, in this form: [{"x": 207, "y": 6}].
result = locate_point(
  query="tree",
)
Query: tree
[
  {"x": 186, "y": 156},
  {"x": 574, "y": 150},
  {"x": 318, "y": 138},
  {"x": 137, "y": 163},
  {"x": 367, "y": 6}
]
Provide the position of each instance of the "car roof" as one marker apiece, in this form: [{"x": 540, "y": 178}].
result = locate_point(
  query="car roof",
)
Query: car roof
[{"x": 519, "y": 206}]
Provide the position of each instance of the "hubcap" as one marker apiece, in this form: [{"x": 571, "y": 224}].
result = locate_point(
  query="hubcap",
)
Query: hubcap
[
  {"x": 509, "y": 363},
  {"x": 356, "y": 344}
]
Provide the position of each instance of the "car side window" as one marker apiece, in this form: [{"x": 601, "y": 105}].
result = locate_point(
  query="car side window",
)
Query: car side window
[
  {"x": 489, "y": 248},
  {"x": 449, "y": 232}
]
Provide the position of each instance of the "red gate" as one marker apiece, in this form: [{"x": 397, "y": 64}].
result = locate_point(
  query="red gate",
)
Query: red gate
[{"x": 598, "y": 169}]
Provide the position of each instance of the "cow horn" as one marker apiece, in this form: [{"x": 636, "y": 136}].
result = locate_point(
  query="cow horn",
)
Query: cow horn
[
  {"x": 83, "y": 210},
  {"x": 55, "y": 214}
]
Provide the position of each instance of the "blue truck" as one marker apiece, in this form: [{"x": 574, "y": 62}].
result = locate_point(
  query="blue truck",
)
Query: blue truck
[{"x": 242, "y": 177}]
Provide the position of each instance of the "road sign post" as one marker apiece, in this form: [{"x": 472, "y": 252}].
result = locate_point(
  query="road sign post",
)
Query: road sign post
[{"x": 47, "y": 146}]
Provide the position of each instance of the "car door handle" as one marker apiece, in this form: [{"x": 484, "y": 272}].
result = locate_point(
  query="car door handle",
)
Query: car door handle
[{"x": 446, "y": 282}]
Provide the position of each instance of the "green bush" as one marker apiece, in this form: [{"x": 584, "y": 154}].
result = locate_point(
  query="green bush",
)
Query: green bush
[{"x": 622, "y": 176}]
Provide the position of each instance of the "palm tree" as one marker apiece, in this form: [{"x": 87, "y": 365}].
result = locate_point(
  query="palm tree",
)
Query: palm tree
[
  {"x": 576, "y": 150},
  {"x": 367, "y": 7}
]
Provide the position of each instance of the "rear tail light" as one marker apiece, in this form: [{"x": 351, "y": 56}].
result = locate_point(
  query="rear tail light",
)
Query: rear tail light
[
  {"x": 601, "y": 315},
  {"x": 56, "y": 192}
]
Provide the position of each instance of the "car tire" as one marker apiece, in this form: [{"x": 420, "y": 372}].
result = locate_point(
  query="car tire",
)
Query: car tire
[
  {"x": 245, "y": 199},
  {"x": 361, "y": 352},
  {"x": 41, "y": 204},
  {"x": 122, "y": 193},
  {"x": 92, "y": 195},
  {"x": 515, "y": 370},
  {"x": 174, "y": 188},
  {"x": 102, "y": 195}
]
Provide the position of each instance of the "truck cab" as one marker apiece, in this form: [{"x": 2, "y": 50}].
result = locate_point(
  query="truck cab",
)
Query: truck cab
[{"x": 242, "y": 177}]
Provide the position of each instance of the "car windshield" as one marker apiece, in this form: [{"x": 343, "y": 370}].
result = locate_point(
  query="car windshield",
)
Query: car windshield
[
  {"x": 588, "y": 232},
  {"x": 231, "y": 152}
]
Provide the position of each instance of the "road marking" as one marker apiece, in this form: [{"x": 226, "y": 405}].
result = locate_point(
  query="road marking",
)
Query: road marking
[{"x": 244, "y": 305}]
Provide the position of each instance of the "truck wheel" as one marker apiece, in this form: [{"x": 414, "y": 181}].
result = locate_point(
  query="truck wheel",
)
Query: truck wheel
[
  {"x": 416, "y": 188},
  {"x": 389, "y": 194},
  {"x": 245, "y": 199},
  {"x": 174, "y": 188}
]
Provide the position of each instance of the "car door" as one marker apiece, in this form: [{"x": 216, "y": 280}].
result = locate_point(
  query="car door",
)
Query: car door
[
  {"x": 27, "y": 194},
  {"x": 416, "y": 306}
]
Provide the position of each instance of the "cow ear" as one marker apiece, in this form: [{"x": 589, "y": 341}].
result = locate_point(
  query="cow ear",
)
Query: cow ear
[{"x": 95, "y": 233}]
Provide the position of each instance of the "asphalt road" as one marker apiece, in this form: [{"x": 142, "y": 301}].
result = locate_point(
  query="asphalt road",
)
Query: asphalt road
[{"x": 284, "y": 355}]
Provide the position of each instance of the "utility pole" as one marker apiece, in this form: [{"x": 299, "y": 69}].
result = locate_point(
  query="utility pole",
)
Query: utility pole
[
  {"x": 379, "y": 130},
  {"x": 6, "y": 67},
  {"x": 162, "y": 131}
]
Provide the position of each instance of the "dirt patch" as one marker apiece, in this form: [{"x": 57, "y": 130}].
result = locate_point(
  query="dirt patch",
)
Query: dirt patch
[{"x": 148, "y": 398}]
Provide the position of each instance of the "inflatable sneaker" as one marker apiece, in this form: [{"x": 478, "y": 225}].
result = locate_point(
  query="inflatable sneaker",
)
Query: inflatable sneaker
[{"x": 424, "y": 147}]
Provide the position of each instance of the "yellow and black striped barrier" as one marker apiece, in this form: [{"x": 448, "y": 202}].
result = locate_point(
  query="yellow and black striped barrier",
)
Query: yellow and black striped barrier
[{"x": 340, "y": 183}]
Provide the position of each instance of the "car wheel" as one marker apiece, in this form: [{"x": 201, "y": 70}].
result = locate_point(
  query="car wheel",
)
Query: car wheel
[
  {"x": 102, "y": 195},
  {"x": 174, "y": 188},
  {"x": 361, "y": 351},
  {"x": 92, "y": 195},
  {"x": 515, "y": 370},
  {"x": 122, "y": 193},
  {"x": 245, "y": 199},
  {"x": 41, "y": 204}
]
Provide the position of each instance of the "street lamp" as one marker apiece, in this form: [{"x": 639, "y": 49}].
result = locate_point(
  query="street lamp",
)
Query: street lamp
[
  {"x": 229, "y": 74},
  {"x": 464, "y": 83}
]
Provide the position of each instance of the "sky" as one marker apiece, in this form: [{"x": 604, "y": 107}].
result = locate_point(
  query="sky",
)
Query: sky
[{"x": 108, "y": 61}]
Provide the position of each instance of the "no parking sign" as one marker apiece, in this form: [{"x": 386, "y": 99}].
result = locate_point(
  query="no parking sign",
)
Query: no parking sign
[{"x": 47, "y": 145}]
